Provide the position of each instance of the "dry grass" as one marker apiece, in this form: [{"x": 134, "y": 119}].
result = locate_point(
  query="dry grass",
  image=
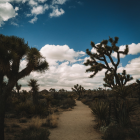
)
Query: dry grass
[
  {"x": 36, "y": 122},
  {"x": 52, "y": 120}
]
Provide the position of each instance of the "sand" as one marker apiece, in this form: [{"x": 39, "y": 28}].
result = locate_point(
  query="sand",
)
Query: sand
[{"x": 76, "y": 125}]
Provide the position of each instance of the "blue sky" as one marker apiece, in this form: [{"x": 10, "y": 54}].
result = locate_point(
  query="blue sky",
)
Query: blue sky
[{"x": 62, "y": 31}]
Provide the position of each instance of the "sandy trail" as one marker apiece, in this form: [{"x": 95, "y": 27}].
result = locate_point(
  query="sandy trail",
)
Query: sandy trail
[{"x": 76, "y": 125}]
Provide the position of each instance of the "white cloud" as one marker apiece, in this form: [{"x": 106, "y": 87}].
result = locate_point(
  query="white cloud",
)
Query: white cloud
[
  {"x": 133, "y": 68},
  {"x": 23, "y": 1},
  {"x": 42, "y": 1},
  {"x": 15, "y": 24},
  {"x": 56, "y": 12},
  {"x": 33, "y": 20},
  {"x": 79, "y": 2},
  {"x": 16, "y": 8},
  {"x": 60, "y": 53},
  {"x": 33, "y": 3},
  {"x": 37, "y": 10},
  {"x": 65, "y": 76},
  {"x": 133, "y": 50},
  {"x": 58, "y": 2},
  {"x": 6, "y": 12}
]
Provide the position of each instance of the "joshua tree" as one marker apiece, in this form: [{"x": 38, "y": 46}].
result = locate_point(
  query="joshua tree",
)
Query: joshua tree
[
  {"x": 103, "y": 51},
  {"x": 12, "y": 51},
  {"x": 35, "y": 88},
  {"x": 112, "y": 79},
  {"x": 138, "y": 88},
  {"x": 18, "y": 87},
  {"x": 78, "y": 89},
  {"x": 55, "y": 94}
]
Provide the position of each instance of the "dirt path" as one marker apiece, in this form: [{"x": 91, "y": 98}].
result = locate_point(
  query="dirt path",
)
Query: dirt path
[{"x": 76, "y": 125}]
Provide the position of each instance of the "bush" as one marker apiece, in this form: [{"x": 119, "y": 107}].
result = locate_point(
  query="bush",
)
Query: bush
[
  {"x": 100, "y": 110},
  {"x": 24, "y": 107},
  {"x": 33, "y": 133},
  {"x": 84, "y": 101},
  {"x": 30, "y": 109},
  {"x": 41, "y": 96},
  {"x": 55, "y": 102},
  {"x": 68, "y": 103},
  {"x": 51, "y": 121},
  {"x": 40, "y": 110},
  {"x": 114, "y": 133}
]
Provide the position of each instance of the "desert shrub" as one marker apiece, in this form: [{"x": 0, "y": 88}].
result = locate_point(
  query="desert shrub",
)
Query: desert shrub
[
  {"x": 15, "y": 101},
  {"x": 24, "y": 107},
  {"x": 41, "y": 96},
  {"x": 10, "y": 130},
  {"x": 134, "y": 132},
  {"x": 23, "y": 120},
  {"x": 114, "y": 133},
  {"x": 84, "y": 101},
  {"x": 67, "y": 103},
  {"x": 33, "y": 133},
  {"x": 15, "y": 125},
  {"x": 55, "y": 102},
  {"x": 100, "y": 110},
  {"x": 40, "y": 110},
  {"x": 51, "y": 121},
  {"x": 30, "y": 109}
]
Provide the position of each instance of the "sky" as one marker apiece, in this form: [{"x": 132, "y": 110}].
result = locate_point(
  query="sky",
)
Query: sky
[{"x": 62, "y": 30}]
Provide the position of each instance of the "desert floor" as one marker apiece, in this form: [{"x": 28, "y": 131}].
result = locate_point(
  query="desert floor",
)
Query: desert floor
[{"x": 76, "y": 125}]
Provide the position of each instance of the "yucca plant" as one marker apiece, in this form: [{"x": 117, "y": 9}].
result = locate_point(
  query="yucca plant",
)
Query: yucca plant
[
  {"x": 122, "y": 110},
  {"x": 100, "y": 110}
]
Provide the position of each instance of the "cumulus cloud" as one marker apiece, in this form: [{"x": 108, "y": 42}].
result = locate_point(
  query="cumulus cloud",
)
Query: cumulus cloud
[
  {"x": 42, "y": 1},
  {"x": 33, "y": 20},
  {"x": 63, "y": 75},
  {"x": 33, "y": 3},
  {"x": 60, "y": 53},
  {"x": 56, "y": 12},
  {"x": 6, "y": 12},
  {"x": 15, "y": 24},
  {"x": 36, "y": 11},
  {"x": 133, "y": 50},
  {"x": 58, "y": 2}
]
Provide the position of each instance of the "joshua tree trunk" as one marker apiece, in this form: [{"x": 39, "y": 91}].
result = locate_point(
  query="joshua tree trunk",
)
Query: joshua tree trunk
[
  {"x": 4, "y": 94},
  {"x": 35, "y": 98},
  {"x": 2, "y": 116}
]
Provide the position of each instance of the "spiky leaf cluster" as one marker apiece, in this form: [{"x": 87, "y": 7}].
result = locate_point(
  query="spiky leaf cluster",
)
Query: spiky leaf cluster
[
  {"x": 33, "y": 84},
  {"x": 78, "y": 89},
  {"x": 103, "y": 51},
  {"x": 123, "y": 78}
]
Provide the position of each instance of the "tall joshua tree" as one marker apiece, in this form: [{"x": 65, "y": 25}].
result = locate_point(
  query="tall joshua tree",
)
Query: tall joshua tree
[
  {"x": 78, "y": 89},
  {"x": 35, "y": 88},
  {"x": 104, "y": 51},
  {"x": 18, "y": 87},
  {"x": 12, "y": 51},
  {"x": 113, "y": 79}
]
